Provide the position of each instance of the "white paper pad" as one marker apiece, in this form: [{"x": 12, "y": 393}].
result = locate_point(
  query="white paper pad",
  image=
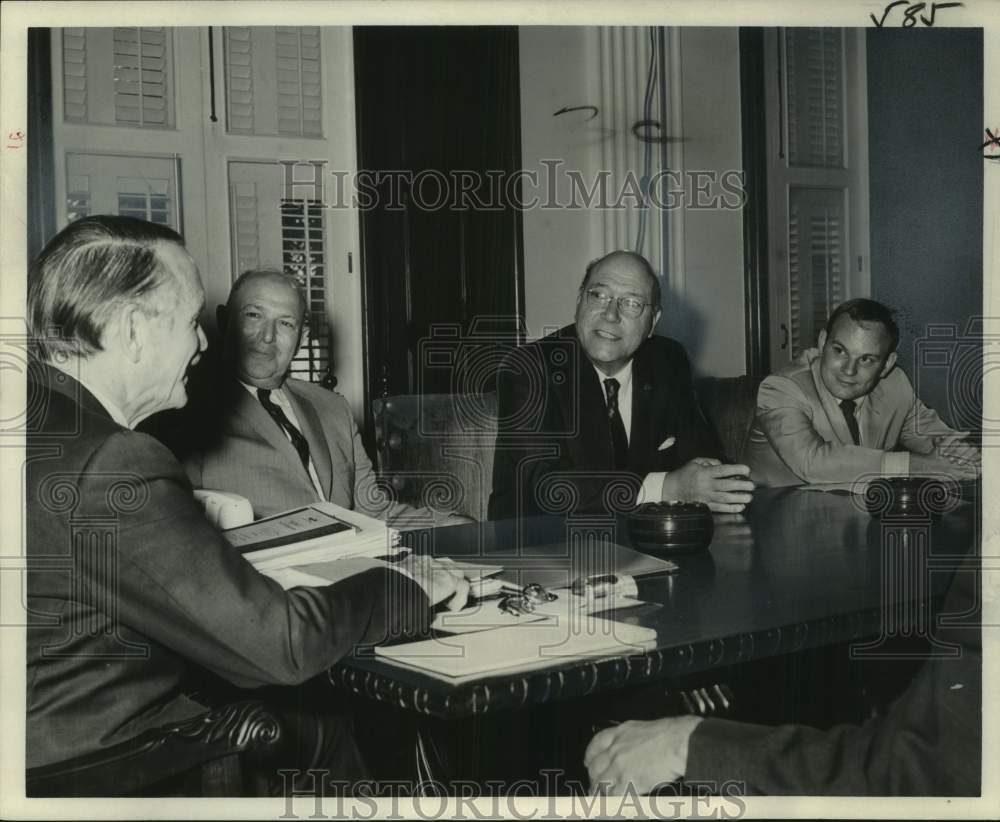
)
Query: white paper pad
[{"x": 519, "y": 648}]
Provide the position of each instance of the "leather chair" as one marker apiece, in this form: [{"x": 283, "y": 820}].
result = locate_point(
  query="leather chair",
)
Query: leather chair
[
  {"x": 437, "y": 449},
  {"x": 729, "y": 404},
  {"x": 197, "y": 757}
]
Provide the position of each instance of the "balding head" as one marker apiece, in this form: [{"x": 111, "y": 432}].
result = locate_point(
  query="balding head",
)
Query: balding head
[
  {"x": 616, "y": 309},
  {"x": 627, "y": 258},
  {"x": 262, "y": 325}
]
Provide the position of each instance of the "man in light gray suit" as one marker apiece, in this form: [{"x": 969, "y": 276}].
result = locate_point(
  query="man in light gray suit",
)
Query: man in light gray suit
[
  {"x": 845, "y": 410},
  {"x": 278, "y": 441}
]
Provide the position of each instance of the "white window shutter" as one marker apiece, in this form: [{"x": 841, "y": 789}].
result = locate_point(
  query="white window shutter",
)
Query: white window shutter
[
  {"x": 141, "y": 74},
  {"x": 817, "y": 181},
  {"x": 269, "y": 230},
  {"x": 816, "y": 260},
  {"x": 274, "y": 81},
  {"x": 75, "y": 74},
  {"x": 815, "y": 97},
  {"x": 239, "y": 79},
  {"x": 118, "y": 76}
]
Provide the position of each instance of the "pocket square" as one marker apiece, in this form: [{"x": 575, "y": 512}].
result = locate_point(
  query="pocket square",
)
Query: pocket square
[{"x": 669, "y": 441}]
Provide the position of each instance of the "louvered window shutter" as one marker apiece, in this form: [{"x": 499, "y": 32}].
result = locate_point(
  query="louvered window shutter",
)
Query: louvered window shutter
[
  {"x": 816, "y": 261},
  {"x": 815, "y": 97},
  {"x": 273, "y": 81},
  {"x": 817, "y": 182},
  {"x": 118, "y": 76},
  {"x": 269, "y": 230}
]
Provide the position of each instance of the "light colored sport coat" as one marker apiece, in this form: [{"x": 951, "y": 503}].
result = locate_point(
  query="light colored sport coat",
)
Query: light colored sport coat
[
  {"x": 800, "y": 435},
  {"x": 247, "y": 453}
]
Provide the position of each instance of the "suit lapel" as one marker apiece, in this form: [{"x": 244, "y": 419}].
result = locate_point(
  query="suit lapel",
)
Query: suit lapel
[
  {"x": 870, "y": 420},
  {"x": 649, "y": 407},
  {"x": 581, "y": 401},
  {"x": 312, "y": 430},
  {"x": 831, "y": 407},
  {"x": 254, "y": 416}
]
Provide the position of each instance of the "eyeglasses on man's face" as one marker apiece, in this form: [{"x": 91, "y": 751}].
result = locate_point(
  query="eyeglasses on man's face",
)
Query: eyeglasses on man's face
[{"x": 630, "y": 307}]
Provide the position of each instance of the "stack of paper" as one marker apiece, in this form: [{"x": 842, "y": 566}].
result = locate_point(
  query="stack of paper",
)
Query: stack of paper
[
  {"x": 317, "y": 533},
  {"x": 518, "y": 648}
]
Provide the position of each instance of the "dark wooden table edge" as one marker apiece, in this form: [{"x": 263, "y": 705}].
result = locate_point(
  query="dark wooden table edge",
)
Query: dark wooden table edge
[{"x": 575, "y": 679}]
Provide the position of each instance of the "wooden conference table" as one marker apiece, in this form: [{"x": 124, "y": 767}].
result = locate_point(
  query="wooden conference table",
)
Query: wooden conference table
[{"x": 798, "y": 570}]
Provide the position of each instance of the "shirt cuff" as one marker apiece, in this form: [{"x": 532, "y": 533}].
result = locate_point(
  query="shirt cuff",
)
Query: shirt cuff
[
  {"x": 896, "y": 463},
  {"x": 652, "y": 488}
]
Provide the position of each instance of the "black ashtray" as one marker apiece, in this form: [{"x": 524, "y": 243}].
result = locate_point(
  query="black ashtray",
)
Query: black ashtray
[
  {"x": 671, "y": 528},
  {"x": 920, "y": 497}
]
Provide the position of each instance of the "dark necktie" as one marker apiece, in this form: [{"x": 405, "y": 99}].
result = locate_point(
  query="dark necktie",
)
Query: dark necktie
[
  {"x": 618, "y": 438},
  {"x": 264, "y": 395},
  {"x": 847, "y": 406}
]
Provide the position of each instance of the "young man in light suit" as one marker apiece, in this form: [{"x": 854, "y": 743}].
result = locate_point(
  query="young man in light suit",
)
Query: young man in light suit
[
  {"x": 278, "y": 441},
  {"x": 837, "y": 413}
]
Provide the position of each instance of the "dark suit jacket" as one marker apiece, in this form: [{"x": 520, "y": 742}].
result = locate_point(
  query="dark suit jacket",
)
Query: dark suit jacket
[
  {"x": 554, "y": 451},
  {"x": 130, "y": 588},
  {"x": 928, "y": 743}
]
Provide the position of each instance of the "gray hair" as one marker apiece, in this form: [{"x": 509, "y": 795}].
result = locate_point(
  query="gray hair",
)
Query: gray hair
[{"x": 85, "y": 273}]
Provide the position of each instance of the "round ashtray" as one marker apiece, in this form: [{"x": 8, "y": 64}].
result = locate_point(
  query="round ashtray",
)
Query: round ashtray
[
  {"x": 910, "y": 496},
  {"x": 671, "y": 528}
]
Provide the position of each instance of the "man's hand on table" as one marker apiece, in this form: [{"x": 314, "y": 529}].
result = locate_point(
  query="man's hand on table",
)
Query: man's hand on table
[
  {"x": 640, "y": 754},
  {"x": 439, "y": 578},
  {"x": 964, "y": 459},
  {"x": 957, "y": 463},
  {"x": 724, "y": 488}
]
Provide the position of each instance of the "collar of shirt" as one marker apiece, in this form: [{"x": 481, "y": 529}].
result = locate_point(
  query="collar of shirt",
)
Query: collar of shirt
[
  {"x": 860, "y": 403},
  {"x": 113, "y": 410},
  {"x": 279, "y": 398},
  {"x": 624, "y": 377}
]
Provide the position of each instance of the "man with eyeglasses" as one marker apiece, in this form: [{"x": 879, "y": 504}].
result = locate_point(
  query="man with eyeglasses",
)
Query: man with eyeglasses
[{"x": 601, "y": 415}]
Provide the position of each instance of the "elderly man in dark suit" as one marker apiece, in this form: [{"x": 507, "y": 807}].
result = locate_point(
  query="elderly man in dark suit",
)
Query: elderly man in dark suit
[
  {"x": 147, "y": 592},
  {"x": 279, "y": 441},
  {"x": 602, "y": 415}
]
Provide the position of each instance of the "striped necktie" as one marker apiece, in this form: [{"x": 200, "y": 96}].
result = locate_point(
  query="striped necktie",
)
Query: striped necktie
[
  {"x": 264, "y": 395},
  {"x": 619, "y": 440}
]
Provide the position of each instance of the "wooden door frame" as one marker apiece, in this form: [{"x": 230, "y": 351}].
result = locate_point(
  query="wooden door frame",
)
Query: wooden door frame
[{"x": 754, "y": 148}]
